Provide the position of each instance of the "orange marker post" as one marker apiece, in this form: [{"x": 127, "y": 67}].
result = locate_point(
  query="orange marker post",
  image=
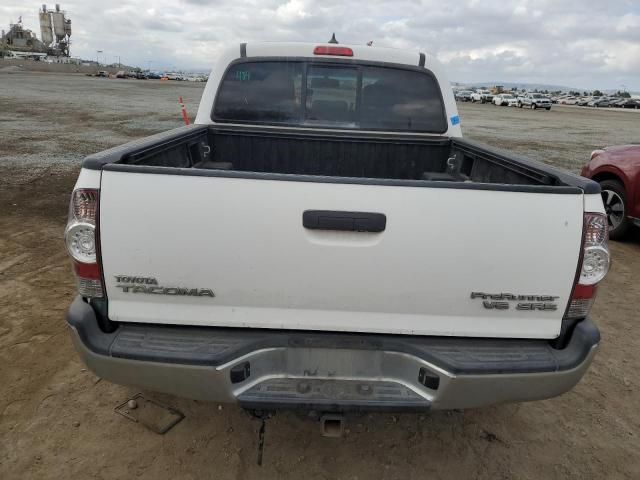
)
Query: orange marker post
[{"x": 184, "y": 111}]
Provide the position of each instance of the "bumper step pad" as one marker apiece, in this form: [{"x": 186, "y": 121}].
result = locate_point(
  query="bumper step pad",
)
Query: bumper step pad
[{"x": 325, "y": 394}]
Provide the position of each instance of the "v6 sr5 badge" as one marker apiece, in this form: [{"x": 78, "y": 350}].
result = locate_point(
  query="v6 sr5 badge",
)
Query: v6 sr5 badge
[{"x": 506, "y": 301}]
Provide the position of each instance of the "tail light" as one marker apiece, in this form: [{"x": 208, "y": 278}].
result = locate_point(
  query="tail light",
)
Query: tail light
[
  {"x": 81, "y": 240},
  {"x": 592, "y": 268}
]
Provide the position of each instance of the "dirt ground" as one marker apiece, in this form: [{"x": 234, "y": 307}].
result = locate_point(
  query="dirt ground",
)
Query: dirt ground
[{"x": 57, "y": 419}]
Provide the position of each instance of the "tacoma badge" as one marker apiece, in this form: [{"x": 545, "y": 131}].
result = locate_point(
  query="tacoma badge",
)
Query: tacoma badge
[{"x": 149, "y": 285}]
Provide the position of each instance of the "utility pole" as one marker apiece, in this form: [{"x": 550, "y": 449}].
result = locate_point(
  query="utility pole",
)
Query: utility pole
[{"x": 98, "y": 52}]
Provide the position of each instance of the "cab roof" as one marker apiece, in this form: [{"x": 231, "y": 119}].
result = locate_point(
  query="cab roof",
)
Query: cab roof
[{"x": 360, "y": 52}]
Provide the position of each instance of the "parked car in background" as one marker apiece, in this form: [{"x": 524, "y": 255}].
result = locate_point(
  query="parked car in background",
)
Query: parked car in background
[
  {"x": 175, "y": 76},
  {"x": 482, "y": 96},
  {"x": 505, "y": 100},
  {"x": 463, "y": 95},
  {"x": 582, "y": 102},
  {"x": 617, "y": 169},
  {"x": 632, "y": 103},
  {"x": 599, "y": 102},
  {"x": 196, "y": 78},
  {"x": 561, "y": 99},
  {"x": 534, "y": 100},
  {"x": 567, "y": 101}
]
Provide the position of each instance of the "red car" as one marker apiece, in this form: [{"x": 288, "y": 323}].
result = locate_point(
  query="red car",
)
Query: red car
[{"x": 617, "y": 170}]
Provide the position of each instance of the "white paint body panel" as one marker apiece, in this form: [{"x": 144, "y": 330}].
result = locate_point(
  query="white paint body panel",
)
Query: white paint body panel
[
  {"x": 88, "y": 179},
  {"x": 593, "y": 204},
  {"x": 244, "y": 239}
]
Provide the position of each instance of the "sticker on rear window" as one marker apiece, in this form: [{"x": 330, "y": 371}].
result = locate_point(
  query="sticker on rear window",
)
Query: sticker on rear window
[{"x": 455, "y": 120}]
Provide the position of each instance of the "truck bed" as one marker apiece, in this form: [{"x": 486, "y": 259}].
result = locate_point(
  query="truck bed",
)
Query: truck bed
[{"x": 341, "y": 157}]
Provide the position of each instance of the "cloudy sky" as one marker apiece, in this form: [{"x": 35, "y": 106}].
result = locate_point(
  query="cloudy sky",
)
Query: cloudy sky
[{"x": 578, "y": 43}]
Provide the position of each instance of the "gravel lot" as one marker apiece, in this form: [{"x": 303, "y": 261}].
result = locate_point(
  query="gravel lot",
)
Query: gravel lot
[{"x": 57, "y": 420}]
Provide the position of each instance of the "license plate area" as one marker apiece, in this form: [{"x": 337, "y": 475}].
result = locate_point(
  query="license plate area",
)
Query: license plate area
[{"x": 334, "y": 363}]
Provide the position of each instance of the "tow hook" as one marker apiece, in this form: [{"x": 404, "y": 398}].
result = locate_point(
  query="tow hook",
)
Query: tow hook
[{"x": 332, "y": 425}]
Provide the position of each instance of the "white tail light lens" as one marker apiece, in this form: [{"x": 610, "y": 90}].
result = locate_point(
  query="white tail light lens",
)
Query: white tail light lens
[
  {"x": 596, "y": 260},
  {"x": 84, "y": 205},
  {"x": 594, "y": 265},
  {"x": 81, "y": 242},
  {"x": 80, "y": 238}
]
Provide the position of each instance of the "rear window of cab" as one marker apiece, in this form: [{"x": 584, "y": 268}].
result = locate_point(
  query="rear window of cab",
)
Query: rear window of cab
[{"x": 309, "y": 94}]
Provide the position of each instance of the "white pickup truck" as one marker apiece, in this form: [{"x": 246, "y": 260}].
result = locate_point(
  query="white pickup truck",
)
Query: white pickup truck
[
  {"x": 482, "y": 96},
  {"x": 323, "y": 238},
  {"x": 534, "y": 100}
]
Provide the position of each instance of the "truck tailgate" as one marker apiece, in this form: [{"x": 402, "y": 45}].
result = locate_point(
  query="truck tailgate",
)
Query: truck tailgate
[{"x": 166, "y": 240}]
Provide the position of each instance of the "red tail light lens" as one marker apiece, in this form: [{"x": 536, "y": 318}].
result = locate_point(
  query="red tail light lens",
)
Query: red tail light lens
[
  {"x": 581, "y": 302},
  {"x": 81, "y": 240},
  {"x": 338, "y": 51},
  {"x": 593, "y": 266}
]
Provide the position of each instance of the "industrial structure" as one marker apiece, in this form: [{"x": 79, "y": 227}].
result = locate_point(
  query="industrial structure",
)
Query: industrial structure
[
  {"x": 21, "y": 42},
  {"x": 55, "y": 30}
]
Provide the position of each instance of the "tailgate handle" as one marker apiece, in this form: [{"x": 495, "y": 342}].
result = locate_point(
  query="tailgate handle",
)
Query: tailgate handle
[{"x": 344, "y": 221}]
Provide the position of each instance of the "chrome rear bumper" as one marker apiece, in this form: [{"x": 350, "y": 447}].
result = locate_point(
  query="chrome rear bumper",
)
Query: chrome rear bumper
[{"x": 331, "y": 371}]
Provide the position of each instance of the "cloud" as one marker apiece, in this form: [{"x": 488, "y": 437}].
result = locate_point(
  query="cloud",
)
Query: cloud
[{"x": 586, "y": 44}]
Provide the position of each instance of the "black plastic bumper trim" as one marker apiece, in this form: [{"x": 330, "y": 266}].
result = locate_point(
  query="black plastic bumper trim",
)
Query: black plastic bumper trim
[{"x": 213, "y": 346}]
